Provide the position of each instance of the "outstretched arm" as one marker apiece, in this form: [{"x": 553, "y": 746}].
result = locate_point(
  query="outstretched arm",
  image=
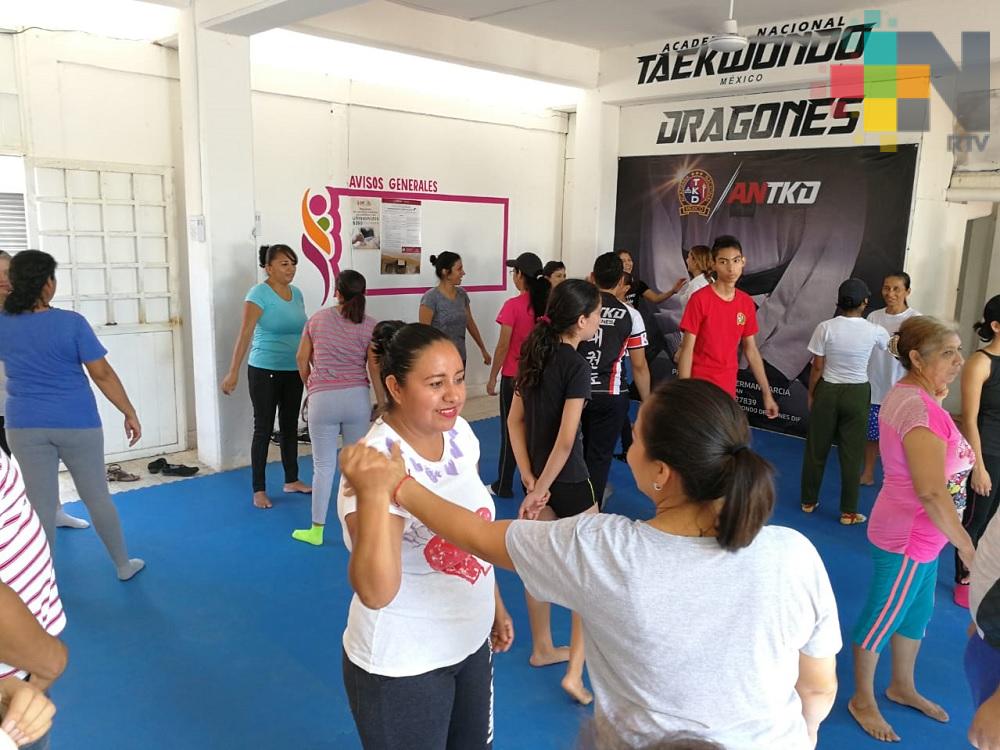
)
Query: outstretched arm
[
  {"x": 658, "y": 297},
  {"x": 375, "y": 478}
]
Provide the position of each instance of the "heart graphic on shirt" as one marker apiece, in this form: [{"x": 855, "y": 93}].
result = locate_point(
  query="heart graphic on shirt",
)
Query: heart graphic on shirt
[{"x": 445, "y": 557}]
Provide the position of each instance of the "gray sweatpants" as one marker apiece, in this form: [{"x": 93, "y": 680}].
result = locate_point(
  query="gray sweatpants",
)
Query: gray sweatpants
[
  {"x": 39, "y": 450},
  {"x": 347, "y": 410}
]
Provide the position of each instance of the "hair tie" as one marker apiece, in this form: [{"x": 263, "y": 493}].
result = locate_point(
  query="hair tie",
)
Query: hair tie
[
  {"x": 545, "y": 319},
  {"x": 894, "y": 345},
  {"x": 739, "y": 449}
]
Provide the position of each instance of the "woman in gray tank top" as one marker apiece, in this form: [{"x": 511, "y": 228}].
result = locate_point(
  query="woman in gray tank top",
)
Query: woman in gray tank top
[{"x": 447, "y": 307}]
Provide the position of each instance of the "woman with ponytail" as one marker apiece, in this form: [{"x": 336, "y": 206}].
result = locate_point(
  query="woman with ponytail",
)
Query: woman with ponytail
[
  {"x": 699, "y": 619},
  {"x": 334, "y": 361},
  {"x": 274, "y": 314},
  {"x": 551, "y": 388},
  {"x": 51, "y": 411},
  {"x": 516, "y": 318}
]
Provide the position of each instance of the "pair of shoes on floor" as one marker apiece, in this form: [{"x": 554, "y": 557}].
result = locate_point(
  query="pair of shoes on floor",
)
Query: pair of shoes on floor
[
  {"x": 160, "y": 465},
  {"x": 849, "y": 519},
  {"x": 117, "y": 474}
]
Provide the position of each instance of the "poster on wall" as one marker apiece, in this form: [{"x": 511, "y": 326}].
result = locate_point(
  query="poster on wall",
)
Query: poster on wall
[
  {"x": 365, "y": 213},
  {"x": 807, "y": 220},
  {"x": 400, "y": 236}
]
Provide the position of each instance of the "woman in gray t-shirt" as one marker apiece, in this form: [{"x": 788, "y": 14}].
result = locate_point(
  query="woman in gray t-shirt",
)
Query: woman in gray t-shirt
[
  {"x": 446, "y": 306},
  {"x": 701, "y": 619}
]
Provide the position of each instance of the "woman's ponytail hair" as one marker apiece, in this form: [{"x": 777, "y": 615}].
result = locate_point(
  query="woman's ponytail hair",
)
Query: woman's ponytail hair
[
  {"x": 351, "y": 286},
  {"x": 565, "y": 307},
  {"x": 991, "y": 315},
  {"x": 397, "y": 345},
  {"x": 697, "y": 429},
  {"x": 267, "y": 254},
  {"x": 538, "y": 293},
  {"x": 29, "y": 272}
]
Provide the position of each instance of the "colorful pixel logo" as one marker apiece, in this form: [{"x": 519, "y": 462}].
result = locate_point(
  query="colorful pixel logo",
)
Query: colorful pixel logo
[{"x": 898, "y": 71}]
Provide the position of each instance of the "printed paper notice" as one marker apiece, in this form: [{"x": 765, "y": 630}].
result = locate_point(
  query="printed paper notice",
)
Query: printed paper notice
[
  {"x": 365, "y": 223},
  {"x": 400, "y": 236}
]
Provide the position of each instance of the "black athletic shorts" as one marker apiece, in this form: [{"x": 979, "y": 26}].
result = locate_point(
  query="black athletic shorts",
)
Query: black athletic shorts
[{"x": 570, "y": 498}]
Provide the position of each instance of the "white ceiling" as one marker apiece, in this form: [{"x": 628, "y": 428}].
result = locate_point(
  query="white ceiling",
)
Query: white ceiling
[{"x": 602, "y": 24}]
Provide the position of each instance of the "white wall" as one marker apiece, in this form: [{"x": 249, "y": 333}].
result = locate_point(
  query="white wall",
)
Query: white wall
[
  {"x": 303, "y": 140},
  {"x": 80, "y": 97},
  {"x": 11, "y": 174}
]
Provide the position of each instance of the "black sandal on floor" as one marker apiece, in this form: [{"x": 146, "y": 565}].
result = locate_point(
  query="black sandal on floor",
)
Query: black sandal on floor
[{"x": 171, "y": 470}]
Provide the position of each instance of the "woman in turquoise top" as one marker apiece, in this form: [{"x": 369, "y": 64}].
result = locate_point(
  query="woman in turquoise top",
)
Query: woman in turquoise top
[{"x": 274, "y": 315}]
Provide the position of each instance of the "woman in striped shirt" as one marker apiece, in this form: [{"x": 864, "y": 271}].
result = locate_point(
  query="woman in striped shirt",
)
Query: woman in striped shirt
[
  {"x": 332, "y": 358},
  {"x": 30, "y": 643}
]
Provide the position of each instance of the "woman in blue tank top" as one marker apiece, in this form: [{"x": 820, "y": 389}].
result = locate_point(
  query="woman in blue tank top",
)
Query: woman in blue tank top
[{"x": 274, "y": 315}]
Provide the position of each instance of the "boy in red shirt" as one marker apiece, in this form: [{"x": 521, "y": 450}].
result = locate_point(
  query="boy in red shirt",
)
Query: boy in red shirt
[{"x": 717, "y": 318}]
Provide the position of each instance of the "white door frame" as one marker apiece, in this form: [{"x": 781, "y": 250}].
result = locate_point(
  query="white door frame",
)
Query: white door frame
[{"x": 173, "y": 276}]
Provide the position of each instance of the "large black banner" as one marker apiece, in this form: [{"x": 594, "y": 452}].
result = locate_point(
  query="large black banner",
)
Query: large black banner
[{"x": 807, "y": 220}]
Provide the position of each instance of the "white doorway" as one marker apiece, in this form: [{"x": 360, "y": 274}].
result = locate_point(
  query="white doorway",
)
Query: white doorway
[{"x": 110, "y": 228}]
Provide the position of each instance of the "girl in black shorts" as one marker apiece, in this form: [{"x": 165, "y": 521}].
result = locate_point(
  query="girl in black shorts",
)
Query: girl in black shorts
[{"x": 552, "y": 385}]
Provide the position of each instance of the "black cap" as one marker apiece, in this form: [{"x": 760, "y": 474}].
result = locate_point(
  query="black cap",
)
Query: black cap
[
  {"x": 528, "y": 264},
  {"x": 852, "y": 293}
]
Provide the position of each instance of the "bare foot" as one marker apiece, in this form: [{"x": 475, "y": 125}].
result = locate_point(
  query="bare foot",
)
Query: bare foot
[
  {"x": 913, "y": 699},
  {"x": 305, "y": 489},
  {"x": 547, "y": 657},
  {"x": 867, "y": 481},
  {"x": 872, "y": 721},
  {"x": 261, "y": 500},
  {"x": 576, "y": 690}
]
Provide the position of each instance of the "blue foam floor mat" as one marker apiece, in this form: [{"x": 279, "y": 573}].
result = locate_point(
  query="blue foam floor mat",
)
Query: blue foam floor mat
[{"x": 231, "y": 636}]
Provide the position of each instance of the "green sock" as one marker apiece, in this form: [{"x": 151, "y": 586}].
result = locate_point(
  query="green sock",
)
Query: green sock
[{"x": 310, "y": 536}]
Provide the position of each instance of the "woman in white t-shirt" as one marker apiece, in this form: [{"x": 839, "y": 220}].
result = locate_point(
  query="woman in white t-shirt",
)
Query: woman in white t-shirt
[
  {"x": 426, "y": 616},
  {"x": 884, "y": 370},
  {"x": 701, "y": 269},
  {"x": 701, "y": 619},
  {"x": 838, "y": 398}
]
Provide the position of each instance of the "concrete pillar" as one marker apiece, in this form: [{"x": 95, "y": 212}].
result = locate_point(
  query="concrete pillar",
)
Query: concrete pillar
[
  {"x": 591, "y": 184},
  {"x": 219, "y": 196}
]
